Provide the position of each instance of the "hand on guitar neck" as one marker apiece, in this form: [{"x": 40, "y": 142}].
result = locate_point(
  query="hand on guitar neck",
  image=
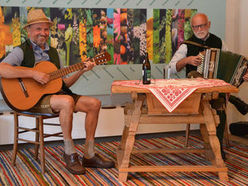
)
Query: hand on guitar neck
[{"x": 88, "y": 65}]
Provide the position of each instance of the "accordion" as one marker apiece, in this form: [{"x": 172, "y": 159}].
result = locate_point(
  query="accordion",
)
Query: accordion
[{"x": 224, "y": 65}]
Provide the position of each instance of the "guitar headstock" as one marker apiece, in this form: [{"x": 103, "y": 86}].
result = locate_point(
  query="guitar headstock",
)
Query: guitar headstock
[{"x": 102, "y": 58}]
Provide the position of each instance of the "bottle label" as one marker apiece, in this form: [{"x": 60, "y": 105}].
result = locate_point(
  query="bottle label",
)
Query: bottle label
[{"x": 146, "y": 74}]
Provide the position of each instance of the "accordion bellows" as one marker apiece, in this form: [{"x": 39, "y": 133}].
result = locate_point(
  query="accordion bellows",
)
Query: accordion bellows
[{"x": 224, "y": 65}]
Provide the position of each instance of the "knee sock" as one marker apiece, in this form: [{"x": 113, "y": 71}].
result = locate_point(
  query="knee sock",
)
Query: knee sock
[
  {"x": 89, "y": 149},
  {"x": 69, "y": 146}
]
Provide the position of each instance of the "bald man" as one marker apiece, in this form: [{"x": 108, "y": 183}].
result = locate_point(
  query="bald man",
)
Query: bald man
[{"x": 187, "y": 56}]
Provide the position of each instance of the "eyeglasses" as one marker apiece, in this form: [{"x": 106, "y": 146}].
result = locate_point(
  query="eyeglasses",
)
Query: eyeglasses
[{"x": 195, "y": 27}]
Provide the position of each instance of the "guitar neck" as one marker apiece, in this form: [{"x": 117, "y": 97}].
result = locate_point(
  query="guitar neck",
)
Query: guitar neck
[
  {"x": 98, "y": 59},
  {"x": 67, "y": 70}
]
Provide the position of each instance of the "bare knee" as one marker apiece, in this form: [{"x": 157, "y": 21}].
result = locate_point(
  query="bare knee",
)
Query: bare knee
[
  {"x": 95, "y": 104},
  {"x": 63, "y": 102},
  {"x": 88, "y": 104}
]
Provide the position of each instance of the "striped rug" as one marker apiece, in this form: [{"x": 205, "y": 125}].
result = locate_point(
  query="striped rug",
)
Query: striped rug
[{"x": 27, "y": 170}]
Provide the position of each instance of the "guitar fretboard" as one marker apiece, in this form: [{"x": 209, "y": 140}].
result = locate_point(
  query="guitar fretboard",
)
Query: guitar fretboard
[
  {"x": 98, "y": 59},
  {"x": 64, "y": 71}
]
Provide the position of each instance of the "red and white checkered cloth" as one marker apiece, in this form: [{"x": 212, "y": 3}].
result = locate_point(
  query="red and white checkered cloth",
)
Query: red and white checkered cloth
[{"x": 172, "y": 92}]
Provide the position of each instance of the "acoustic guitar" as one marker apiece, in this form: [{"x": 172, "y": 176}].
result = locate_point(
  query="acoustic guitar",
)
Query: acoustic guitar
[{"x": 24, "y": 93}]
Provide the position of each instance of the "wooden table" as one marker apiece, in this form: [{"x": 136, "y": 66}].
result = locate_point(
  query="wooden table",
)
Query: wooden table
[{"x": 194, "y": 110}]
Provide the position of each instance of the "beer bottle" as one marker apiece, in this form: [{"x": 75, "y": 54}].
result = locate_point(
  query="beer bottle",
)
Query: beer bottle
[{"x": 146, "y": 70}]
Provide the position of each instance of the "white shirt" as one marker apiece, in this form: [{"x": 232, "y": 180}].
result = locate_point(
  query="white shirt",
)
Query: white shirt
[{"x": 182, "y": 53}]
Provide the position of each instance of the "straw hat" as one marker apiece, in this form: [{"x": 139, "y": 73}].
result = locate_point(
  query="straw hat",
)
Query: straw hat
[{"x": 37, "y": 16}]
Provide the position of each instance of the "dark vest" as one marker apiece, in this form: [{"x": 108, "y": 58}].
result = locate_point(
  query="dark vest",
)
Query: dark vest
[
  {"x": 212, "y": 42},
  {"x": 29, "y": 59}
]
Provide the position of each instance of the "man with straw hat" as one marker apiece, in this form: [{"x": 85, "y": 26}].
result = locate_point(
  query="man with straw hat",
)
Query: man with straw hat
[{"x": 65, "y": 102}]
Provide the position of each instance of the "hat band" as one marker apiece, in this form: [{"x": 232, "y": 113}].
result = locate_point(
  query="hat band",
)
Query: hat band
[{"x": 39, "y": 20}]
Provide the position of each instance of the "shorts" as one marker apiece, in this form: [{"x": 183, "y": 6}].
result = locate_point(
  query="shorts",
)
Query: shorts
[{"x": 43, "y": 105}]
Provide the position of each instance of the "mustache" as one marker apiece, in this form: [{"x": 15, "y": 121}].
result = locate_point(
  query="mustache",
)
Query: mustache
[
  {"x": 42, "y": 36},
  {"x": 201, "y": 32}
]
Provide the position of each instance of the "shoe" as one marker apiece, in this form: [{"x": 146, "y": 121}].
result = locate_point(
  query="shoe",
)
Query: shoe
[
  {"x": 98, "y": 162},
  {"x": 240, "y": 105},
  {"x": 73, "y": 164},
  {"x": 239, "y": 128}
]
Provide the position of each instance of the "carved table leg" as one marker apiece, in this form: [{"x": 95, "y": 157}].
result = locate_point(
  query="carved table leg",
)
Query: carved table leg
[
  {"x": 128, "y": 137},
  {"x": 213, "y": 140},
  {"x": 208, "y": 152}
]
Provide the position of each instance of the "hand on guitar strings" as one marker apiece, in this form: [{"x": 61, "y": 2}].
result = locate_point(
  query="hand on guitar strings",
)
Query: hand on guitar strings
[{"x": 41, "y": 77}]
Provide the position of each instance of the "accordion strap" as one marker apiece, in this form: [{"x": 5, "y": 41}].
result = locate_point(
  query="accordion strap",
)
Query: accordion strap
[{"x": 196, "y": 44}]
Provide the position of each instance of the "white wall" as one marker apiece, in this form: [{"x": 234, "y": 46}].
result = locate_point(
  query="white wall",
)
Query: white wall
[
  {"x": 232, "y": 24},
  {"x": 237, "y": 41},
  {"x": 237, "y": 26},
  {"x": 111, "y": 123},
  {"x": 243, "y": 31}
]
